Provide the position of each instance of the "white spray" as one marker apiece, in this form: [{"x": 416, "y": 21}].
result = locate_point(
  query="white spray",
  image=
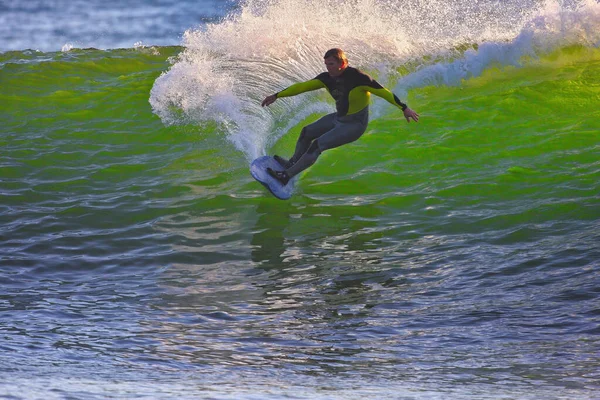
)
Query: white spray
[{"x": 227, "y": 68}]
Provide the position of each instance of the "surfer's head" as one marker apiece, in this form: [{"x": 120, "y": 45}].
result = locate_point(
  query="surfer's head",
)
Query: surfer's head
[{"x": 335, "y": 61}]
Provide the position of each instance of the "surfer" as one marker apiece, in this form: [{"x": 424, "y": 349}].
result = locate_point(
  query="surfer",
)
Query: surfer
[{"x": 351, "y": 89}]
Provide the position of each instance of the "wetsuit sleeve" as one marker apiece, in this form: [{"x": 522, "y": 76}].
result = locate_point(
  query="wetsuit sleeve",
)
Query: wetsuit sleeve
[
  {"x": 301, "y": 87},
  {"x": 389, "y": 96}
]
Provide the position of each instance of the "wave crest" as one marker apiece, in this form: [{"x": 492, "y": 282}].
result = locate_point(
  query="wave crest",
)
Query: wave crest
[{"x": 227, "y": 68}]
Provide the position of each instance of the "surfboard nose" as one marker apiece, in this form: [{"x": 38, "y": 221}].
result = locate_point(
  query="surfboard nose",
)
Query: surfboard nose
[{"x": 258, "y": 170}]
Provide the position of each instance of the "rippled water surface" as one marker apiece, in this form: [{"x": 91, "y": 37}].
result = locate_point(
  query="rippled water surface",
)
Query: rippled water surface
[{"x": 453, "y": 258}]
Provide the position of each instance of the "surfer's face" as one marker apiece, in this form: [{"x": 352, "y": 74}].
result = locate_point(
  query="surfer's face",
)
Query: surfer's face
[{"x": 335, "y": 67}]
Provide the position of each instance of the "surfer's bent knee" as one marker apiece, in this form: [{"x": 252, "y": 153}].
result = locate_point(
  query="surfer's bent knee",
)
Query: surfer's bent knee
[{"x": 314, "y": 148}]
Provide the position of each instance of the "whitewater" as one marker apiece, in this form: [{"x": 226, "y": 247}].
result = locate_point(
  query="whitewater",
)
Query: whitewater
[{"x": 226, "y": 67}]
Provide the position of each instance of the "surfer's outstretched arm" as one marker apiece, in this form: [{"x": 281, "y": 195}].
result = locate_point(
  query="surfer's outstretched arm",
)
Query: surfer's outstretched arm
[
  {"x": 393, "y": 99},
  {"x": 293, "y": 90},
  {"x": 408, "y": 114},
  {"x": 269, "y": 100}
]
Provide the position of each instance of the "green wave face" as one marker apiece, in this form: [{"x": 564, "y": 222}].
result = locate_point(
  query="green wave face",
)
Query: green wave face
[
  {"x": 512, "y": 135},
  {"x": 480, "y": 220}
]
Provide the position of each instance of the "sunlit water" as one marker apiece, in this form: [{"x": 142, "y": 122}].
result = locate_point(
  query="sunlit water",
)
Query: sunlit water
[{"x": 453, "y": 258}]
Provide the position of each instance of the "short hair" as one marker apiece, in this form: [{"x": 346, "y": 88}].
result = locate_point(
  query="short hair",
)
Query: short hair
[{"x": 337, "y": 54}]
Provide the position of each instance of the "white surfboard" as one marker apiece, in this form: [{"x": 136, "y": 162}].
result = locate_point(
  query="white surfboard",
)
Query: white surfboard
[{"x": 258, "y": 170}]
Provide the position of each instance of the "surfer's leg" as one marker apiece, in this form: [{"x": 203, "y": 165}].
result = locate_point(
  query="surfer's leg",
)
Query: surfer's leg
[
  {"x": 307, "y": 159},
  {"x": 282, "y": 161},
  {"x": 310, "y": 133},
  {"x": 346, "y": 130}
]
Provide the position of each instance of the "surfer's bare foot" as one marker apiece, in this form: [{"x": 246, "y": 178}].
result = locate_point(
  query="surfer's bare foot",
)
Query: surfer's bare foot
[{"x": 281, "y": 176}]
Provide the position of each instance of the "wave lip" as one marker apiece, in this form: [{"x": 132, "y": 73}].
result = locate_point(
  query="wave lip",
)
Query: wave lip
[
  {"x": 227, "y": 68},
  {"x": 552, "y": 29}
]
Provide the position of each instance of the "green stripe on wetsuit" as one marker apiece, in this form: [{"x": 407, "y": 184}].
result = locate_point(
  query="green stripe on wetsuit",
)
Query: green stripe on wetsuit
[{"x": 351, "y": 90}]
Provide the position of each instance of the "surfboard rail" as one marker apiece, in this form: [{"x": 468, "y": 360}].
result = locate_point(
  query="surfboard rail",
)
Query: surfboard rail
[{"x": 258, "y": 170}]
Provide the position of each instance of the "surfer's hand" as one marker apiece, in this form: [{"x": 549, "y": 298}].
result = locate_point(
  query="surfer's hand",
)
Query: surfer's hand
[
  {"x": 408, "y": 114},
  {"x": 269, "y": 100}
]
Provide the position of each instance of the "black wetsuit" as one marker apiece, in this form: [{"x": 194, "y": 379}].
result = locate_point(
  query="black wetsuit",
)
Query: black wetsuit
[
  {"x": 352, "y": 93},
  {"x": 351, "y": 90}
]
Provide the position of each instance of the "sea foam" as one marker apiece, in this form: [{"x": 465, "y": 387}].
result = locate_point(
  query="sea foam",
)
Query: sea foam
[{"x": 227, "y": 68}]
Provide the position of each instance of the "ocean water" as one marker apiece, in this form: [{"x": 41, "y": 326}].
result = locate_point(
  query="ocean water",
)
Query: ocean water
[
  {"x": 50, "y": 25},
  {"x": 453, "y": 258}
]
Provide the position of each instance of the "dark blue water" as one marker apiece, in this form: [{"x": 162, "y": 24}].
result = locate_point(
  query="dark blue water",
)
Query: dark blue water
[
  {"x": 454, "y": 259},
  {"x": 50, "y": 25}
]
